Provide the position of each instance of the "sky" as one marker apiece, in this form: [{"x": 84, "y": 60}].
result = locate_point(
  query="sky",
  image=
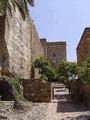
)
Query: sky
[{"x": 62, "y": 20}]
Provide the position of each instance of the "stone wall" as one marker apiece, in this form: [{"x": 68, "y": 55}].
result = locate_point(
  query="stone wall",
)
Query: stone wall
[
  {"x": 36, "y": 49},
  {"x": 36, "y": 46},
  {"x": 44, "y": 45},
  {"x": 56, "y": 52},
  {"x": 2, "y": 19},
  {"x": 37, "y": 91},
  {"x": 17, "y": 38},
  {"x": 3, "y": 48},
  {"x": 86, "y": 94},
  {"x": 21, "y": 44},
  {"x": 83, "y": 48}
]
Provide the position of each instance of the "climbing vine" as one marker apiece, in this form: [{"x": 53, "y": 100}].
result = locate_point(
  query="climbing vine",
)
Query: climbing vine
[
  {"x": 3, "y": 4},
  {"x": 16, "y": 85},
  {"x": 21, "y": 4}
]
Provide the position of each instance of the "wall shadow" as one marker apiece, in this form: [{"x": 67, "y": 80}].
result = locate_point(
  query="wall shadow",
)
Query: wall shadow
[
  {"x": 65, "y": 104},
  {"x": 81, "y": 117},
  {"x": 62, "y": 96}
]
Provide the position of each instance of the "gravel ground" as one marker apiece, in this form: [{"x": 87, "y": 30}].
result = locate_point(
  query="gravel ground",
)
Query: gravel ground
[{"x": 38, "y": 112}]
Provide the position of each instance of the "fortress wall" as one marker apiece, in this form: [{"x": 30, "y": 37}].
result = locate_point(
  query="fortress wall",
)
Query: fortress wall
[{"x": 22, "y": 42}]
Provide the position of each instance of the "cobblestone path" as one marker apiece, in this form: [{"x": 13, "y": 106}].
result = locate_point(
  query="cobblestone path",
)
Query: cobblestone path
[{"x": 62, "y": 108}]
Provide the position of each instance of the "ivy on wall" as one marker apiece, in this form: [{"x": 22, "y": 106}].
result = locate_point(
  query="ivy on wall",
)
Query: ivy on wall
[
  {"x": 3, "y": 4},
  {"x": 21, "y": 4}
]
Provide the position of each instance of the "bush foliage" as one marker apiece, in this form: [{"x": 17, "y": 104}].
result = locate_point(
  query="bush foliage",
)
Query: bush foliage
[
  {"x": 21, "y": 4},
  {"x": 70, "y": 70},
  {"x": 67, "y": 70},
  {"x": 84, "y": 72},
  {"x": 16, "y": 86},
  {"x": 46, "y": 71}
]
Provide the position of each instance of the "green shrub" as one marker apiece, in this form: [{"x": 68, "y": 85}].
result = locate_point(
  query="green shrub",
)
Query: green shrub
[
  {"x": 17, "y": 88},
  {"x": 67, "y": 70},
  {"x": 49, "y": 72},
  {"x": 46, "y": 71},
  {"x": 84, "y": 72},
  {"x": 21, "y": 4},
  {"x": 15, "y": 83},
  {"x": 3, "y": 4}
]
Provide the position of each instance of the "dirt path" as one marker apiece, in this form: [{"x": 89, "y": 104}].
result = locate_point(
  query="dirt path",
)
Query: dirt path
[{"x": 62, "y": 108}]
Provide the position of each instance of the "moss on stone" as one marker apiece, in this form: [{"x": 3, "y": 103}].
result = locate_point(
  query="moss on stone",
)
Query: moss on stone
[
  {"x": 3, "y": 4},
  {"x": 15, "y": 86},
  {"x": 21, "y": 4}
]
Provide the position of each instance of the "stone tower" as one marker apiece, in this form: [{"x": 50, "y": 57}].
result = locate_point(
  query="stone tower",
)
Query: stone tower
[{"x": 55, "y": 52}]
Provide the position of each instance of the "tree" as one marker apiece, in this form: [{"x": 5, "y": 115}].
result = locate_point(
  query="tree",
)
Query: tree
[
  {"x": 84, "y": 72},
  {"x": 46, "y": 71},
  {"x": 67, "y": 70},
  {"x": 72, "y": 70},
  {"x": 62, "y": 71},
  {"x": 49, "y": 72},
  {"x": 40, "y": 63}
]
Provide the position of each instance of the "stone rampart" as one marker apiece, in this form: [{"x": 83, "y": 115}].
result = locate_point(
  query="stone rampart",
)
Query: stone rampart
[
  {"x": 20, "y": 44},
  {"x": 37, "y": 91}
]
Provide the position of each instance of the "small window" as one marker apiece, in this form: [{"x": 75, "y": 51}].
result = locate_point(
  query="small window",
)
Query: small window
[{"x": 54, "y": 55}]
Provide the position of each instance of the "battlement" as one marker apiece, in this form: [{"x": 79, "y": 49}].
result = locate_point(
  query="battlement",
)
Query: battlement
[{"x": 57, "y": 43}]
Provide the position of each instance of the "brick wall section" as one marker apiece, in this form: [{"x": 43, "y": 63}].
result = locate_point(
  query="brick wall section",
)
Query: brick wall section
[
  {"x": 83, "y": 48},
  {"x": 37, "y": 91}
]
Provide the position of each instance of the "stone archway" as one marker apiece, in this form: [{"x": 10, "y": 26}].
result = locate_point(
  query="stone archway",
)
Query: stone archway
[{"x": 6, "y": 91}]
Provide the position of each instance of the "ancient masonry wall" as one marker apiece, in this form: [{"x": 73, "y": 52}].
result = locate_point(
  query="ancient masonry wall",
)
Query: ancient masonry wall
[
  {"x": 44, "y": 45},
  {"x": 22, "y": 43},
  {"x": 83, "y": 48},
  {"x": 36, "y": 49},
  {"x": 17, "y": 38},
  {"x": 55, "y": 52},
  {"x": 3, "y": 48}
]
